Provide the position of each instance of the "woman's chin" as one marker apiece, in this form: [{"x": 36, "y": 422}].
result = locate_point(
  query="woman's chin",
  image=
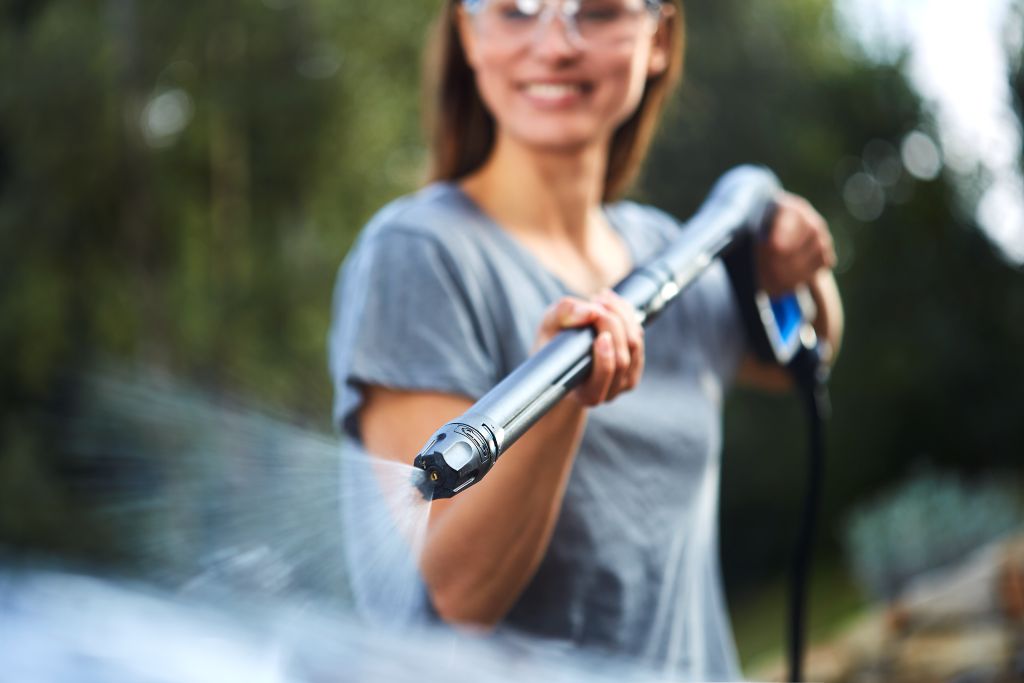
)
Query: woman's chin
[{"x": 560, "y": 141}]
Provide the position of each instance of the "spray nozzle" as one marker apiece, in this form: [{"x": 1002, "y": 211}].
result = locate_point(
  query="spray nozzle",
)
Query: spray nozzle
[{"x": 457, "y": 456}]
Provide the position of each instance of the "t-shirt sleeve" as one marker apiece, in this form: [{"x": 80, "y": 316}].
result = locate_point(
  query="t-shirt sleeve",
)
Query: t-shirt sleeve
[{"x": 404, "y": 317}]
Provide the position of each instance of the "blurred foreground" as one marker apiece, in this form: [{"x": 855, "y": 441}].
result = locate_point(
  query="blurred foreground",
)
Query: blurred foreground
[
  {"x": 964, "y": 625},
  {"x": 960, "y": 624},
  {"x": 63, "y": 628}
]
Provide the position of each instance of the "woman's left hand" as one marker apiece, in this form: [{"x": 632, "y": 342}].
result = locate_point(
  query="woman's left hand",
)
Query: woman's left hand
[
  {"x": 797, "y": 250},
  {"x": 797, "y": 247}
]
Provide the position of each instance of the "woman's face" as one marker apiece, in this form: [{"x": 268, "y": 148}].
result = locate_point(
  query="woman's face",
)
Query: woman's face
[{"x": 553, "y": 91}]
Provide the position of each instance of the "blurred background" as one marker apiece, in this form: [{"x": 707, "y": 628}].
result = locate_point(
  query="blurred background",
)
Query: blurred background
[{"x": 179, "y": 182}]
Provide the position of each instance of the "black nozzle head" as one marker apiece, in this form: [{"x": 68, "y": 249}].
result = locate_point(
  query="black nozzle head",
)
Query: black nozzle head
[
  {"x": 428, "y": 479},
  {"x": 455, "y": 458}
]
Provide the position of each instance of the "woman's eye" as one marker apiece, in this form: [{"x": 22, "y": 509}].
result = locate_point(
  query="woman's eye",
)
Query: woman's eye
[
  {"x": 600, "y": 13},
  {"x": 517, "y": 10},
  {"x": 514, "y": 14}
]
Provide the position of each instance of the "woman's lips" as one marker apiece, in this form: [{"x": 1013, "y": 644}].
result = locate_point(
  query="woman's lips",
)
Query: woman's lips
[{"x": 554, "y": 94}]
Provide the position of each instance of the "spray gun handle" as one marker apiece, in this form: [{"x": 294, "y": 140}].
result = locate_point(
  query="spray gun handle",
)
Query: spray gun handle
[{"x": 777, "y": 327}]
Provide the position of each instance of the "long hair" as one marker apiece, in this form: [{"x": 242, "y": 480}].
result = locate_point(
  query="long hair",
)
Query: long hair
[{"x": 461, "y": 130}]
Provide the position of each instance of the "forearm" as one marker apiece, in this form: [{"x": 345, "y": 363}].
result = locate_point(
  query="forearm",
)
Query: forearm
[{"x": 485, "y": 544}]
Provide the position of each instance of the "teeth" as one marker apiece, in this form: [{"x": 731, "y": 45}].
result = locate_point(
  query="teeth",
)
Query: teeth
[{"x": 553, "y": 90}]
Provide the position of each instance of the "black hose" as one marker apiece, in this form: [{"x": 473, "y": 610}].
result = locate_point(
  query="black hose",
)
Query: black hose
[{"x": 809, "y": 375}]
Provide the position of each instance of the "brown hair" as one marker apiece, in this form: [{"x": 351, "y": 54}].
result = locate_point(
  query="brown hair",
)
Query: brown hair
[{"x": 461, "y": 129}]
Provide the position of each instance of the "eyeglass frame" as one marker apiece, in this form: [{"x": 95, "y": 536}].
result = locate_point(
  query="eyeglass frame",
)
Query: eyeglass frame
[{"x": 655, "y": 8}]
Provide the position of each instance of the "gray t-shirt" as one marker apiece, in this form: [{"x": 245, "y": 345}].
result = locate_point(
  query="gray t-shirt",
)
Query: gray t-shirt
[{"x": 436, "y": 296}]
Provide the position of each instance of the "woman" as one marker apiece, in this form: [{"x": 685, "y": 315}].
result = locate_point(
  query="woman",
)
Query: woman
[{"x": 598, "y": 528}]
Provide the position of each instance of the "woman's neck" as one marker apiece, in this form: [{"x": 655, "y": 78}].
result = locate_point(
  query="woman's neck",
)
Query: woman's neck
[
  {"x": 542, "y": 194},
  {"x": 551, "y": 202}
]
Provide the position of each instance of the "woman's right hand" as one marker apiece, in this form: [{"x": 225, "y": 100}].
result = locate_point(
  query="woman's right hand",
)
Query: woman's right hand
[{"x": 618, "y": 352}]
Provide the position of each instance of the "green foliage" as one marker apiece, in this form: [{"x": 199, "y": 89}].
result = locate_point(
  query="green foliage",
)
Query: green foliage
[
  {"x": 210, "y": 249},
  {"x": 178, "y": 183}
]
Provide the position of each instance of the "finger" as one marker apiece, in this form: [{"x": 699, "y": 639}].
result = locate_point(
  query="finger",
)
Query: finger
[
  {"x": 628, "y": 314},
  {"x": 551, "y": 321},
  {"x": 636, "y": 370},
  {"x": 785, "y": 231},
  {"x": 819, "y": 226},
  {"x": 602, "y": 372},
  {"x": 567, "y": 312},
  {"x": 807, "y": 263},
  {"x": 795, "y": 216},
  {"x": 811, "y": 214},
  {"x": 799, "y": 264},
  {"x": 575, "y": 313},
  {"x": 809, "y": 255},
  {"x": 630, "y": 375},
  {"x": 611, "y": 321},
  {"x": 822, "y": 245},
  {"x": 799, "y": 246},
  {"x": 828, "y": 246}
]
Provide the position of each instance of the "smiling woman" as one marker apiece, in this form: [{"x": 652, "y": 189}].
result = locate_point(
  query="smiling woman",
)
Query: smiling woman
[
  {"x": 600, "y": 529},
  {"x": 462, "y": 127}
]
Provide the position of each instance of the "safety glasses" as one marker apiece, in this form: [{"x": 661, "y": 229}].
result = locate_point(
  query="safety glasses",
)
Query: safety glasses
[{"x": 588, "y": 23}]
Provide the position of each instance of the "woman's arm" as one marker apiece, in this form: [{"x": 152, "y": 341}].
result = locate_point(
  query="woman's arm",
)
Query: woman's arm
[{"x": 484, "y": 545}]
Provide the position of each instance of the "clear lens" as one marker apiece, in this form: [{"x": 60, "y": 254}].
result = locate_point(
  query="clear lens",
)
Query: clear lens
[{"x": 600, "y": 23}]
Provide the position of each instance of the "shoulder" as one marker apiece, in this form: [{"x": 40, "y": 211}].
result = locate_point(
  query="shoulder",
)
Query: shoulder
[
  {"x": 424, "y": 246},
  {"x": 438, "y": 213},
  {"x": 408, "y": 311},
  {"x": 644, "y": 215}
]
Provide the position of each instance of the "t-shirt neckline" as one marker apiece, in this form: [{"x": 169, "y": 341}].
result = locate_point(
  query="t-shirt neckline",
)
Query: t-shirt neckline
[{"x": 528, "y": 258}]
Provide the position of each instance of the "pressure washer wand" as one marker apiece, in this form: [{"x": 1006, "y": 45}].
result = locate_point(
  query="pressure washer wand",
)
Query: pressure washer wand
[{"x": 461, "y": 452}]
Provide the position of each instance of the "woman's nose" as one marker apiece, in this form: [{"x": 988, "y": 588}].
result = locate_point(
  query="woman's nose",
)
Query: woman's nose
[{"x": 556, "y": 36}]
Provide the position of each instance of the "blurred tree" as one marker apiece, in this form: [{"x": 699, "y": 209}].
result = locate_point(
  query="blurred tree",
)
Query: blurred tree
[{"x": 178, "y": 183}]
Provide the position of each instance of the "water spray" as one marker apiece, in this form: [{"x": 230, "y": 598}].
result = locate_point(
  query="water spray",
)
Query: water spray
[{"x": 728, "y": 225}]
